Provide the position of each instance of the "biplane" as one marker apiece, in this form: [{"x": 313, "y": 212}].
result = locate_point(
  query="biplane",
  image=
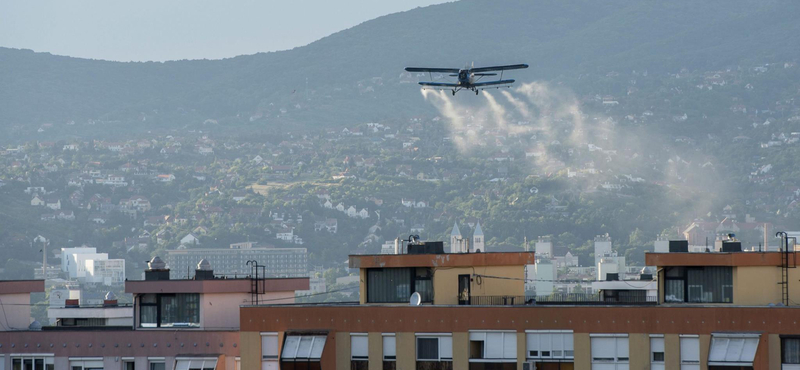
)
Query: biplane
[{"x": 468, "y": 78}]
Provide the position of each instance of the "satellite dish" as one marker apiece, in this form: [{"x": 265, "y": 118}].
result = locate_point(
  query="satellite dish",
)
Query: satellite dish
[{"x": 416, "y": 299}]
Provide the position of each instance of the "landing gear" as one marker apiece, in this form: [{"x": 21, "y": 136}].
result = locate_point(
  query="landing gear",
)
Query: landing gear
[
  {"x": 454, "y": 93},
  {"x": 476, "y": 92}
]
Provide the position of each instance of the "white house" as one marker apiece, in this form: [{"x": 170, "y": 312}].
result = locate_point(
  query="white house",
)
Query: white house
[
  {"x": 190, "y": 239},
  {"x": 37, "y": 201},
  {"x": 363, "y": 213},
  {"x": 352, "y": 212},
  {"x": 285, "y": 234}
]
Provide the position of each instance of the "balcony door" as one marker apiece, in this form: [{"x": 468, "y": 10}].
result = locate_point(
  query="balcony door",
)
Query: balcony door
[{"x": 463, "y": 289}]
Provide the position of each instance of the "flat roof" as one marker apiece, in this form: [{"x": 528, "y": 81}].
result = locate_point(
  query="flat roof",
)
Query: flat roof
[
  {"x": 21, "y": 286},
  {"x": 214, "y": 286},
  {"x": 442, "y": 260},
  {"x": 717, "y": 259}
]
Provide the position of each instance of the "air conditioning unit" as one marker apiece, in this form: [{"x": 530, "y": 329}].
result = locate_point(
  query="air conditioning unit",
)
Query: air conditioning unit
[{"x": 529, "y": 365}]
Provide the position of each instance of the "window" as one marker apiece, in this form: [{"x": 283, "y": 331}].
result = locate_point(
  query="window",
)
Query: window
[
  {"x": 733, "y": 349},
  {"x": 197, "y": 363},
  {"x": 303, "y": 348},
  {"x": 31, "y": 362},
  {"x": 713, "y": 284},
  {"x": 359, "y": 347},
  {"x": 609, "y": 351},
  {"x": 690, "y": 352},
  {"x": 397, "y": 284},
  {"x": 269, "y": 351},
  {"x": 550, "y": 344},
  {"x": 128, "y": 363},
  {"x": 435, "y": 347},
  {"x": 493, "y": 346},
  {"x": 93, "y": 363},
  {"x": 156, "y": 363},
  {"x": 790, "y": 353},
  {"x": 389, "y": 347},
  {"x": 657, "y": 352},
  {"x": 169, "y": 310}
]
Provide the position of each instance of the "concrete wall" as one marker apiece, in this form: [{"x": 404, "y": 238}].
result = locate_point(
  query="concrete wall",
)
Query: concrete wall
[
  {"x": 375, "y": 343},
  {"x": 342, "y": 350},
  {"x": 220, "y": 311},
  {"x": 672, "y": 351},
  {"x": 445, "y": 282},
  {"x": 461, "y": 350},
  {"x": 583, "y": 354},
  {"x": 17, "y": 311},
  {"x": 639, "y": 350},
  {"x": 249, "y": 349},
  {"x": 406, "y": 351},
  {"x": 757, "y": 285}
]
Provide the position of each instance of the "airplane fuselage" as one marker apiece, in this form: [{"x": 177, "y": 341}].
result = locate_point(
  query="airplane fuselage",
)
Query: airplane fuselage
[{"x": 466, "y": 78}]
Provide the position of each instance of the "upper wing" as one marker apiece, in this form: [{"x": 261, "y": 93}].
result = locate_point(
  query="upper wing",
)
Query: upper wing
[
  {"x": 433, "y": 70},
  {"x": 491, "y": 83},
  {"x": 499, "y": 68},
  {"x": 439, "y": 84}
]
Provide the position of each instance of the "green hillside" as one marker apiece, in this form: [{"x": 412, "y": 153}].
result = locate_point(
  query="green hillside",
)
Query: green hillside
[{"x": 557, "y": 38}]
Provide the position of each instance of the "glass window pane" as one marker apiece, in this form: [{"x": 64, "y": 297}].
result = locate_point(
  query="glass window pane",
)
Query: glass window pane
[
  {"x": 388, "y": 285},
  {"x": 304, "y": 349},
  {"x": 290, "y": 347},
  {"x": 269, "y": 346},
  {"x": 428, "y": 349},
  {"x": 157, "y": 366},
  {"x": 318, "y": 346},
  {"x": 791, "y": 350}
]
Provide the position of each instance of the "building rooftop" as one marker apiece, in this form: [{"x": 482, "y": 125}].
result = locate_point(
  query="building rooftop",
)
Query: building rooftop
[
  {"x": 214, "y": 286},
  {"x": 732, "y": 259},
  {"x": 442, "y": 260},
  {"x": 21, "y": 286}
]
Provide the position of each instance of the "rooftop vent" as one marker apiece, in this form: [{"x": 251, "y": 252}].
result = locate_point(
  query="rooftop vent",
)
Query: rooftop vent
[
  {"x": 731, "y": 246},
  {"x": 426, "y": 248},
  {"x": 156, "y": 270},
  {"x": 110, "y": 300},
  {"x": 678, "y": 246},
  {"x": 35, "y": 325},
  {"x": 612, "y": 276},
  {"x": 204, "y": 271}
]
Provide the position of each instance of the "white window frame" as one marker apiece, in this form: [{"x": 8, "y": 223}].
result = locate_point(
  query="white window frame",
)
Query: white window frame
[
  {"x": 625, "y": 361},
  {"x": 189, "y": 360},
  {"x": 312, "y": 346},
  {"x": 480, "y": 335},
  {"x": 277, "y": 355},
  {"x": 48, "y": 358},
  {"x": 656, "y": 364},
  {"x": 384, "y": 336},
  {"x": 784, "y": 365},
  {"x": 687, "y": 340},
  {"x": 438, "y": 337},
  {"x": 358, "y": 337},
  {"x": 567, "y": 344},
  {"x": 126, "y": 360},
  {"x": 156, "y": 360},
  {"x": 86, "y": 362}
]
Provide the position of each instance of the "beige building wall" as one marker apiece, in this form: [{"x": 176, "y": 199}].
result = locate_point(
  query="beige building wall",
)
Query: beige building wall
[
  {"x": 705, "y": 345},
  {"x": 221, "y": 310},
  {"x": 445, "y": 282},
  {"x": 17, "y": 311},
  {"x": 749, "y": 287},
  {"x": 583, "y": 350},
  {"x": 375, "y": 347},
  {"x": 342, "y": 350},
  {"x": 249, "y": 349},
  {"x": 774, "y": 341},
  {"x": 522, "y": 349},
  {"x": 672, "y": 351},
  {"x": 460, "y": 350},
  {"x": 362, "y": 286},
  {"x": 406, "y": 351},
  {"x": 639, "y": 350}
]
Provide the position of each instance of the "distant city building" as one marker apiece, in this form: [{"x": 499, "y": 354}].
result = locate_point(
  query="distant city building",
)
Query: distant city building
[
  {"x": 279, "y": 262},
  {"x": 86, "y": 265}
]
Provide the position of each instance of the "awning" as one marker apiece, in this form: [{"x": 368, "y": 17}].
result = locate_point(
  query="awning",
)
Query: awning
[
  {"x": 303, "y": 347},
  {"x": 733, "y": 349}
]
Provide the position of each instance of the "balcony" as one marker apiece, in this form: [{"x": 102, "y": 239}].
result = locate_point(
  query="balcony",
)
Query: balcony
[{"x": 566, "y": 299}]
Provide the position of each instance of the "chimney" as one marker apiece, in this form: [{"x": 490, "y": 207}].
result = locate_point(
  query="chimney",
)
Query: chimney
[
  {"x": 110, "y": 300},
  {"x": 204, "y": 271},
  {"x": 156, "y": 270}
]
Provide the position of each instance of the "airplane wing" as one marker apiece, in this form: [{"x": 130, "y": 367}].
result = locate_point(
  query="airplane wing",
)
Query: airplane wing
[
  {"x": 439, "y": 84},
  {"x": 499, "y": 68},
  {"x": 493, "y": 83},
  {"x": 432, "y": 70}
]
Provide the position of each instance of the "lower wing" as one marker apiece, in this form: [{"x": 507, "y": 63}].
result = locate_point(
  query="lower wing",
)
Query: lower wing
[
  {"x": 492, "y": 83},
  {"x": 439, "y": 84}
]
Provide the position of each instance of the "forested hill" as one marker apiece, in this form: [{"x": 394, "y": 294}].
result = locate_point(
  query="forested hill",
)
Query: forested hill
[{"x": 353, "y": 75}]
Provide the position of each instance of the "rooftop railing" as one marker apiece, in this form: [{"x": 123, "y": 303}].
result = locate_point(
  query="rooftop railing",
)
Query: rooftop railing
[{"x": 576, "y": 299}]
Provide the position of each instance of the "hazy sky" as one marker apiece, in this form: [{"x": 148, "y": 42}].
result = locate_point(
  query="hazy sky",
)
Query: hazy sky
[{"x": 180, "y": 29}]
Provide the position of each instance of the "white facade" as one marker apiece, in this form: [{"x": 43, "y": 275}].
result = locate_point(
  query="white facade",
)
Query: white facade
[
  {"x": 545, "y": 276},
  {"x": 602, "y": 247},
  {"x": 106, "y": 272},
  {"x": 544, "y": 247}
]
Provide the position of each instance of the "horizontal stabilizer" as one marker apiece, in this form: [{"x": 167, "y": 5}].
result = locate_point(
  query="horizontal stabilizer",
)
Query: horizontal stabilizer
[
  {"x": 493, "y": 83},
  {"x": 438, "y": 84}
]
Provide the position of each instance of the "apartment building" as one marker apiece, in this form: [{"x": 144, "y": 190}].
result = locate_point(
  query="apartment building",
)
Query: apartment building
[
  {"x": 176, "y": 324},
  {"x": 469, "y": 311},
  {"x": 279, "y": 262},
  {"x": 88, "y": 266}
]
